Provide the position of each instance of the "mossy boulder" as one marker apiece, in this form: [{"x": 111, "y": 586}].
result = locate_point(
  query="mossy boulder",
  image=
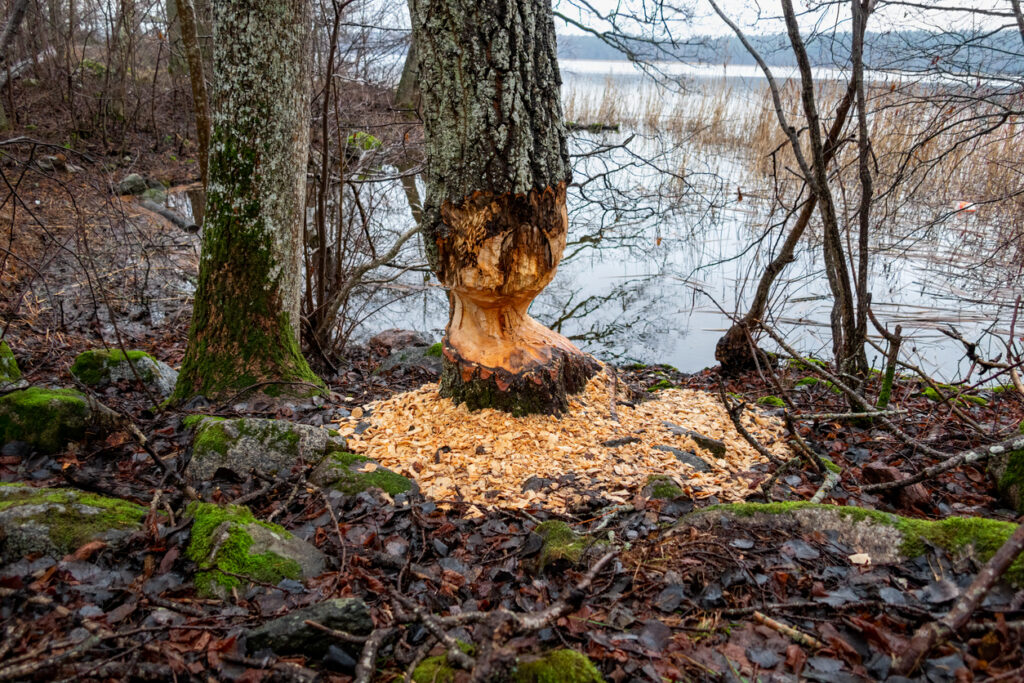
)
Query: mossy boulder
[
  {"x": 886, "y": 538},
  {"x": 100, "y": 367},
  {"x": 661, "y": 487},
  {"x": 230, "y": 546},
  {"x": 351, "y": 473},
  {"x": 771, "y": 401},
  {"x": 48, "y": 419},
  {"x": 558, "y": 666},
  {"x": 55, "y": 522},
  {"x": 1007, "y": 470},
  {"x": 133, "y": 183},
  {"x": 291, "y": 635},
  {"x": 10, "y": 373},
  {"x": 561, "y": 543},
  {"x": 244, "y": 444}
]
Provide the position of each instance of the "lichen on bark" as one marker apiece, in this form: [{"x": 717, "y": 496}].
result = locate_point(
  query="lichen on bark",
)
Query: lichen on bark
[{"x": 244, "y": 330}]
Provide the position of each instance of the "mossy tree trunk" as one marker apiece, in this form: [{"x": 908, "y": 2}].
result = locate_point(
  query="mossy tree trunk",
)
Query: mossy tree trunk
[
  {"x": 245, "y": 323},
  {"x": 494, "y": 216}
]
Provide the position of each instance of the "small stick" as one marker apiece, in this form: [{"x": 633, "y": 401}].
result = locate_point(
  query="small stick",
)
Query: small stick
[
  {"x": 797, "y": 636},
  {"x": 831, "y": 479},
  {"x": 339, "y": 635},
  {"x": 849, "y": 416},
  {"x": 734, "y": 412}
]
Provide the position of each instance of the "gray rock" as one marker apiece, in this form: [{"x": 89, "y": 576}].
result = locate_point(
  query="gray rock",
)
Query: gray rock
[
  {"x": 1004, "y": 468},
  {"x": 54, "y": 522},
  {"x": 423, "y": 357},
  {"x": 621, "y": 441},
  {"x": 686, "y": 458},
  {"x": 132, "y": 183},
  {"x": 290, "y": 634},
  {"x": 101, "y": 367},
  {"x": 395, "y": 339},
  {"x": 268, "y": 446},
  {"x": 155, "y": 194},
  {"x": 714, "y": 446}
]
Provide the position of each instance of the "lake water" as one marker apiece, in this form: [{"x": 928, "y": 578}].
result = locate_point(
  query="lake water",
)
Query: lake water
[{"x": 653, "y": 262}]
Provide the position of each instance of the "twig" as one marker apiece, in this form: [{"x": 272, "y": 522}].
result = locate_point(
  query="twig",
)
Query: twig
[
  {"x": 954, "y": 461},
  {"x": 831, "y": 479},
  {"x": 734, "y": 412},
  {"x": 797, "y": 636},
  {"x": 27, "y": 669},
  {"x": 336, "y": 634},
  {"x": 367, "y": 664},
  {"x": 935, "y": 632},
  {"x": 849, "y": 416}
]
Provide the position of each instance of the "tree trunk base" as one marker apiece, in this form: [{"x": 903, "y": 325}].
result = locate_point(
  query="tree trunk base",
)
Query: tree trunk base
[
  {"x": 736, "y": 353},
  {"x": 542, "y": 388}
]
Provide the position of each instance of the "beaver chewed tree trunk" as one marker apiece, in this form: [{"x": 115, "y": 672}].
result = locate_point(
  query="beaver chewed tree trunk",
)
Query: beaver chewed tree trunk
[
  {"x": 244, "y": 326},
  {"x": 494, "y": 217}
]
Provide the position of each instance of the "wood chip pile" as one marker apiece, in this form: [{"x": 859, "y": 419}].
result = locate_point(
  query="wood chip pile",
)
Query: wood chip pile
[{"x": 486, "y": 457}]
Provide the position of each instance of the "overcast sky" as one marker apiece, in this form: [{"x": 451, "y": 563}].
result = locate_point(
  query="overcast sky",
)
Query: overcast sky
[{"x": 695, "y": 17}]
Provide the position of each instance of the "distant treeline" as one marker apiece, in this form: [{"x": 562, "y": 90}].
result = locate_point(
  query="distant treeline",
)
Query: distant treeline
[{"x": 956, "y": 52}]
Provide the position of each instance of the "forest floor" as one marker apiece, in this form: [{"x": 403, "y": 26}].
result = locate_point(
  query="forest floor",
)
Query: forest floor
[{"x": 675, "y": 602}]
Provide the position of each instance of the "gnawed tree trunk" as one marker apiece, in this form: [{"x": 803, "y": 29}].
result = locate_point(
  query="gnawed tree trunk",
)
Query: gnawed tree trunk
[
  {"x": 494, "y": 217},
  {"x": 244, "y": 330}
]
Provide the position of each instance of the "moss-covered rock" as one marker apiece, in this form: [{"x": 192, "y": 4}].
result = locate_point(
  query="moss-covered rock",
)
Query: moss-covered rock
[
  {"x": 100, "y": 367},
  {"x": 55, "y": 522},
  {"x": 351, "y": 473},
  {"x": 661, "y": 384},
  {"x": 1007, "y": 470},
  {"x": 10, "y": 373},
  {"x": 49, "y": 419},
  {"x": 243, "y": 444},
  {"x": 230, "y": 545},
  {"x": 560, "y": 543},
  {"x": 951, "y": 391},
  {"x": 558, "y": 666},
  {"x": 885, "y": 537},
  {"x": 438, "y": 669},
  {"x": 772, "y": 401},
  {"x": 662, "y": 487}
]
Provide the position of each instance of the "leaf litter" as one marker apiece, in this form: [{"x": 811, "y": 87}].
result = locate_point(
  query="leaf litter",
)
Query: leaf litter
[{"x": 487, "y": 456}]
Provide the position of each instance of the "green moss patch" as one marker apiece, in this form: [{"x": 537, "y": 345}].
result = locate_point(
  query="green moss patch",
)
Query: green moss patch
[
  {"x": 353, "y": 473},
  {"x": 9, "y": 370},
  {"x": 964, "y": 399},
  {"x": 773, "y": 401},
  {"x": 217, "y": 551},
  {"x": 437, "y": 669},
  {"x": 45, "y": 418},
  {"x": 69, "y": 517},
  {"x": 660, "y": 384},
  {"x": 433, "y": 351},
  {"x": 954, "y": 534}
]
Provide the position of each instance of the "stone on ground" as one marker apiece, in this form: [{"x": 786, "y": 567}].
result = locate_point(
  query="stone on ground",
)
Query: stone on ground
[
  {"x": 558, "y": 666},
  {"x": 55, "y": 522},
  {"x": 133, "y": 183},
  {"x": 267, "y": 446},
  {"x": 10, "y": 373},
  {"x": 49, "y": 419},
  {"x": 351, "y": 474},
  {"x": 232, "y": 548},
  {"x": 101, "y": 367},
  {"x": 290, "y": 634}
]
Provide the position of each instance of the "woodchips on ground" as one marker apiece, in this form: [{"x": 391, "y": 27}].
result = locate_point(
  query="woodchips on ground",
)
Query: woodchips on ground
[{"x": 485, "y": 457}]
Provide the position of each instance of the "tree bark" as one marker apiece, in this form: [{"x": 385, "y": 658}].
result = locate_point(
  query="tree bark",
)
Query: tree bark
[
  {"x": 494, "y": 216},
  {"x": 244, "y": 330},
  {"x": 197, "y": 78}
]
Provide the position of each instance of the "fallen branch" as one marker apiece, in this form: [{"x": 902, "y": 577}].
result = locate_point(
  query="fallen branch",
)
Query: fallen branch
[
  {"x": 952, "y": 462},
  {"x": 849, "y": 416},
  {"x": 735, "y": 411}
]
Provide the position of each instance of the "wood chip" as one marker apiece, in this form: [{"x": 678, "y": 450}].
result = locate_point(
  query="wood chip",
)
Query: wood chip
[{"x": 488, "y": 456}]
